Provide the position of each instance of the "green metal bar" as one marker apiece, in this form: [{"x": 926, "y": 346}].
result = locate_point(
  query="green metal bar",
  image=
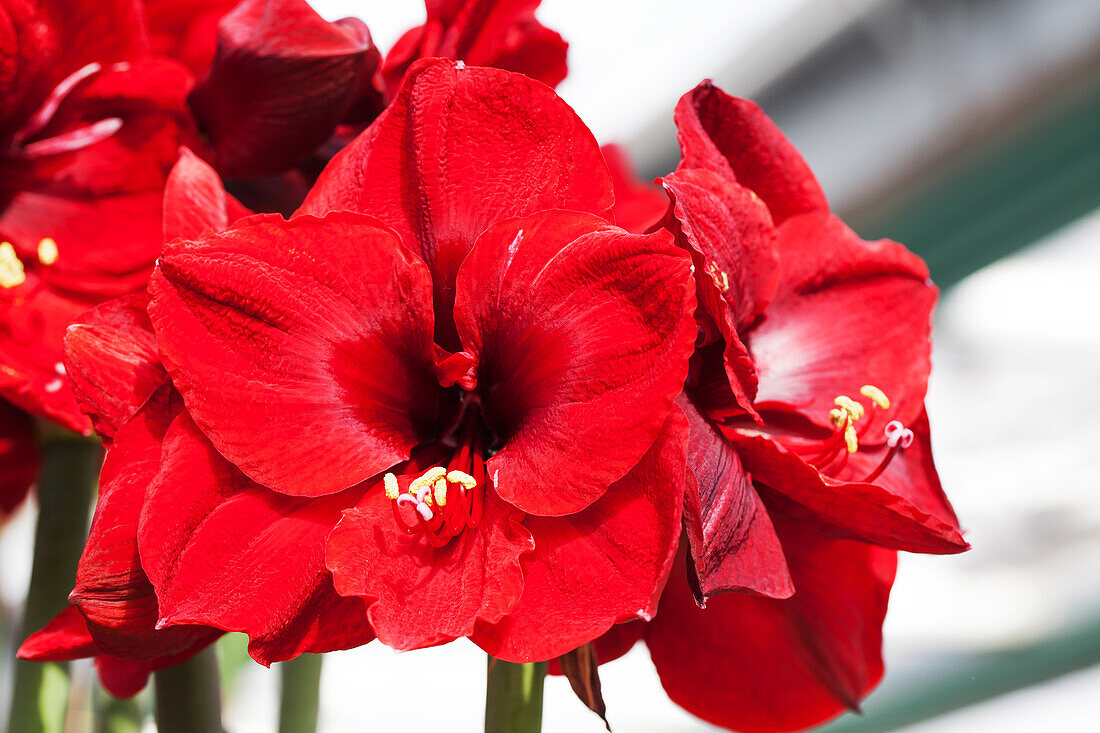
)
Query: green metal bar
[
  {"x": 1004, "y": 195},
  {"x": 964, "y": 680}
]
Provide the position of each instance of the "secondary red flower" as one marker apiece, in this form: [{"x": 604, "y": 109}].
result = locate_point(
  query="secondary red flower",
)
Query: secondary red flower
[
  {"x": 499, "y": 33},
  {"x": 452, "y": 414},
  {"x": 809, "y": 444},
  {"x": 89, "y": 127}
]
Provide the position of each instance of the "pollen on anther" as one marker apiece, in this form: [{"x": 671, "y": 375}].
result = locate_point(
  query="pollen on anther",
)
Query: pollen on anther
[
  {"x": 47, "y": 251},
  {"x": 851, "y": 438},
  {"x": 876, "y": 395},
  {"x": 439, "y": 489},
  {"x": 849, "y": 405},
  {"x": 392, "y": 489},
  {"x": 12, "y": 273}
]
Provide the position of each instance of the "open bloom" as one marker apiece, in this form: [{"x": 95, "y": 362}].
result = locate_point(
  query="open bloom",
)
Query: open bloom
[
  {"x": 809, "y": 444},
  {"x": 89, "y": 127},
  {"x": 335, "y": 472}
]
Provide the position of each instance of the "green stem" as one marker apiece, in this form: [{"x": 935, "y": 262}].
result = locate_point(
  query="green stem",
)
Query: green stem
[
  {"x": 513, "y": 697},
  {"x": 300, "y": 681},
  {"x": 189, "y": 696},
  {"x": 70, "y": 465},
  {"x": 117, "y": 716}
]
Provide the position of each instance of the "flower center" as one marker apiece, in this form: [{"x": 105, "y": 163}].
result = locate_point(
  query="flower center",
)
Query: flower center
[
  {"x": 830, "y": 456},
  {"x": 443, "y": 501}
]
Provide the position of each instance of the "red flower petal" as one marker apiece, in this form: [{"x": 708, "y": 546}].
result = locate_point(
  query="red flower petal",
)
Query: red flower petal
[
  {"x": 227, "y": 553},
  {"x": 759, "y": 664},
  {"x": 717, "y": 130},
  {"x": 732, "y": 232},
  {"x": 419, "y": 596},
  {"x": 306, "y": 361},
  {"x": 894, "y": 515},
  {"x": 603, "y": 565},
  {"x": 63, "y": 639},
  {"x": 500, "y": 33},
  {"x": 413, "y": 167},
  {"x": 732, "y": 243},
  {"x": 123, "y": 678},
  {"x": 733, "y": 544},
  {"x": 846, "y": 313},
  {"x": 195, "y": 200},
  {"x": 577, "y": 403},
  {"x": 18, "y": 458},
  {"x": 112, "y": 362},
  {"x": 112, "y": 590},
  {"x": 639, "y": 205},
  {"x": 910, "y": 474},
  {"x": 281, "y": 81}
]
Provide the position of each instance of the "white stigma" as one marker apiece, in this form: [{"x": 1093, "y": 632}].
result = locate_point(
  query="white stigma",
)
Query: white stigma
[{"x": 897, "y": 434}]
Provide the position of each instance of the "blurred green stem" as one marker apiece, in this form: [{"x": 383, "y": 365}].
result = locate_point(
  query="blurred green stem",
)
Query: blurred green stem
[
  {"x": 300, "y": 687},
  {"x": 189, "y": 696},
  {"x": 70, "y": 466},
  {"x": 513, "y": 697}
]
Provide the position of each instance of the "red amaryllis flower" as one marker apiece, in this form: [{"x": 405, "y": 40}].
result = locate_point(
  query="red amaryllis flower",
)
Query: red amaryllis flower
[
  {"x": 89, "y": 128},
  {"x": 500, "y": 33},
  {"x": 18, "y": 458},
  {"x": 809, "y": 444},
  {"x": 112, "y": 360},
  {"x": 456, "y": 414}
]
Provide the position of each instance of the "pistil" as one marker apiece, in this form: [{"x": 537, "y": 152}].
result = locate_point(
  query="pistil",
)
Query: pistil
[{"x": 830, "y": 456}]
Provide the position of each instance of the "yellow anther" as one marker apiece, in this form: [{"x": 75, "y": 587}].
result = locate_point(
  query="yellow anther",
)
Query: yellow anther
[
  {"x": 837, "y": 415},
  {"x": 392, "y": 489},
  {"x": 720, "y": 278},
  {"x": 876, "y": 395},
  {"x": 440, "y": 490},
  {"x": 851, "y": 438},
  {"x": 47, "y": 251},
  {"x": 427, "y": 479},
  {"x": 850, "y": 406},
  {"x": 462, "y": 478},
  {"x": 11, "y": 269}
]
